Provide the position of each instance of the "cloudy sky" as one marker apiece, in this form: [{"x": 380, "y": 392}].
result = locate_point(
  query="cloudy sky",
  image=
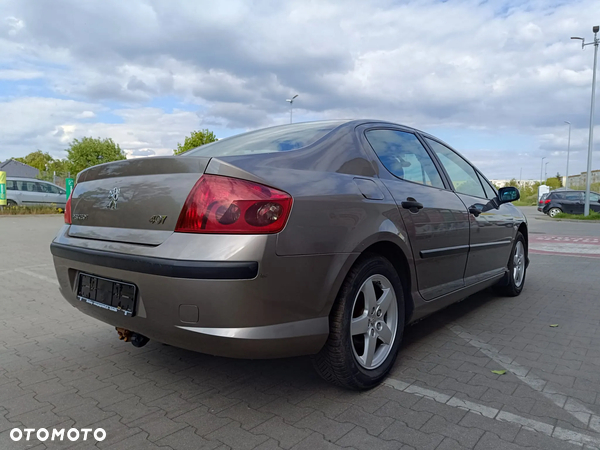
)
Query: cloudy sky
[{"x": 496, "y": 79}]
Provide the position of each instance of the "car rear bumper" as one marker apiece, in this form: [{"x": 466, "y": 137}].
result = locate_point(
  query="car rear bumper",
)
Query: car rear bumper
[{"x": 267, "y": 307}]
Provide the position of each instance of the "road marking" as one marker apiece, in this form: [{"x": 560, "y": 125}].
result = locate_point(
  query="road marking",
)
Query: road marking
[
  {"x": 587, "y": 246},
  {"x": 570, "y": 405},
  {"x": 37, "y": 275},
  {"x": 570, "y": 436}
]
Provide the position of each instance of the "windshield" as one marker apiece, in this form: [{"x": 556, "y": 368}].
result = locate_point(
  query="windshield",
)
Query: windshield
[{"x": 269, "y": 140}]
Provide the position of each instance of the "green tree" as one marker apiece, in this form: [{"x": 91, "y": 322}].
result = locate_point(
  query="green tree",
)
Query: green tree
[
  {"x": 559, "y": 178},
  {"x": 89, "y": 152},
  {"x": 554, "y": 182},
  {"x": 37, "y": 159},
  {"x": 196, "y": 139}
]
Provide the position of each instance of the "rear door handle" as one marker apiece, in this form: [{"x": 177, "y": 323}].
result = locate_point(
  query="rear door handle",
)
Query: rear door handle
[
  {"x": 412, "y": 204},
  {"x": 474, "y": 211}
]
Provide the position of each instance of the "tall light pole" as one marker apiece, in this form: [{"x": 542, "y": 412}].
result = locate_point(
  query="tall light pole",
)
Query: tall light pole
[
  {"x": 291, "y": 100},
  {"x": 542, "y": 171},
  {"x": 595, "y": 42},
  {"x": 568, "y": 151},
  {"x": 546, "y": 171}
]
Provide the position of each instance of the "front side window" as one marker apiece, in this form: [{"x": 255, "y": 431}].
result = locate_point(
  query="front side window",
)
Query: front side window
[
  {"x": 461, "y": 173},
  {"x": 404, "y": 156},
  {"x": 490, "y": 192},
  {"x": 594, "y": 197}
]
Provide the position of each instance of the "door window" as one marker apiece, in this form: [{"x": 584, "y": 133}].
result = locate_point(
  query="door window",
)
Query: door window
[
  {"x": 26, "y": 186},
  {"x": 10, "y": 185},
  {"x": 490, "y": 192},
  {"x": 574, "y": 196},
  {"x": 404, "y": 156},
  {"x": 50, "y": 189},
  {"x": 461, "y": 173},
  {"x": 594, "y": 197}
]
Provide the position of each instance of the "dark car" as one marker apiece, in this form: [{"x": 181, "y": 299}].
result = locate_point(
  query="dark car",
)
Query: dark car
[
  {"x": 541, "y": 202},
  {"x": 569, "y": 202},
  {"x": 322, "y": 238}
]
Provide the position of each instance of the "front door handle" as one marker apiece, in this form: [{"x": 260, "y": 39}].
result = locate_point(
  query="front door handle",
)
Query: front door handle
[
  {"x": 412, "y": 204},
  {"x": 474, "y": 211}
]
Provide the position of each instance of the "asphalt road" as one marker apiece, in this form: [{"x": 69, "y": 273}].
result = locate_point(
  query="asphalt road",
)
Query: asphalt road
[{"x": 60, "y": 369}]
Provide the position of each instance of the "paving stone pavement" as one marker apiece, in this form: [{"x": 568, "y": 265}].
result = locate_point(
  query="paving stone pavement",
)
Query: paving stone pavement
[{"x": 61, "y": 369}]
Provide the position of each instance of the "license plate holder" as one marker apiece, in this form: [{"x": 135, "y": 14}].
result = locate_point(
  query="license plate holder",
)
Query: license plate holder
[{"x": 113, "y": 295}]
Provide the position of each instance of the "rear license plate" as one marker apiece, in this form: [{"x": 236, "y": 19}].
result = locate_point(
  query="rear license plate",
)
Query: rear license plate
[{"x": 108, "y": 294}]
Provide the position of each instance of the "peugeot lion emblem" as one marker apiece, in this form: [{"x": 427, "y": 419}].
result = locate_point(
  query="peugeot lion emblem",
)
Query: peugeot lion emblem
[{"x": 113, "y": 194}]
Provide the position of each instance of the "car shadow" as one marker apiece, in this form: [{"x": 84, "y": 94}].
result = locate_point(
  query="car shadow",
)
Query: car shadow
[{"x": 294, "y": 379}]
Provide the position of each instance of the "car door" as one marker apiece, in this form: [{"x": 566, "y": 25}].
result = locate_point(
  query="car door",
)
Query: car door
[
  {"x": 54, "y": 195},
  {"x": 30, "y": 193},
  {"x": 594, "y": 202},
  {"x": 491, "y": 226},
  {"x": 434, "y": 217},
  {"x": 572, "y": 202}
]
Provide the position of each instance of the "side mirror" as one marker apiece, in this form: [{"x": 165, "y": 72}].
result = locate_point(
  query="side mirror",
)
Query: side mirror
[{"x": 508, "y": 194}]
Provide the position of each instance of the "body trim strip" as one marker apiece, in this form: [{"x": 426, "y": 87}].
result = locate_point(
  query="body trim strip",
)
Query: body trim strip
[
  {"x": 301, "y": 328},
  {"x": 166, "y": 267}
]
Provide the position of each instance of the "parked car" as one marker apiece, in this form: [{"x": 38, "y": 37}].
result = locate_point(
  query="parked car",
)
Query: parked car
[
  {"x": 33, "y": 192},
  {"x": 322, "y": 238},
  {"x": 568, "y": 201}
]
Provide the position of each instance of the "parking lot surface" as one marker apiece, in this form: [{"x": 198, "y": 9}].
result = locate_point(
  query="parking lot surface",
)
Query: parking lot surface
[{"x": 61, "y": 369}]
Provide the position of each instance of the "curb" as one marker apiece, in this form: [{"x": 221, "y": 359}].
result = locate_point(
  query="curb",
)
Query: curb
[{"x": 549, "y": 219}]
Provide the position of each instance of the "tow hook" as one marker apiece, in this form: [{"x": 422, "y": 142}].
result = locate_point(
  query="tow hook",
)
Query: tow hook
[{"x": 137, "y": 340}]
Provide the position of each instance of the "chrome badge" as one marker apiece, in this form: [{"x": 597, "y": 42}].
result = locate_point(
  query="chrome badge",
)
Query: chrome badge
[{"x": 113, "y": 195}]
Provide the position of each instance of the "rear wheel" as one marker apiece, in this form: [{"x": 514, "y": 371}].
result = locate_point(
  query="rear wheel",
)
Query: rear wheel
[
  {"x": 554, "y": 211},
  {"x": 366, "y": 326},
  {"x": 517, "y": 269}
]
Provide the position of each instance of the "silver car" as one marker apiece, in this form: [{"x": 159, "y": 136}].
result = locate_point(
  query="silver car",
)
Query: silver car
[
  {"x": 33, "y": 192},
  {"x": 322, "y": 238}
]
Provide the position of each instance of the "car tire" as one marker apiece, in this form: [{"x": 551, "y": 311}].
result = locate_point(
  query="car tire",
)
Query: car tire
[
  {"x": 371, "y": 299},
  {"x": 554, "y": 211},
  {"x": 512, "y": 284}
]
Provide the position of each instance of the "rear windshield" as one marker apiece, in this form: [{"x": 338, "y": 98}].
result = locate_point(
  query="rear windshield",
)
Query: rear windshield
[{"x": 269, "y": 140}]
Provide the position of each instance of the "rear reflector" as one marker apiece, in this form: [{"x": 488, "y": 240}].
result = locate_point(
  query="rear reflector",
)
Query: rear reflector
[
  {"x": 218, "y": 204},
  {"x": 68, "y": 210}
]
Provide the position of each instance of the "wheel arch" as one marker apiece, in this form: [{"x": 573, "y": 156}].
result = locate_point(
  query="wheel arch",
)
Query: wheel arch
[{"x": 394, "y": 249}]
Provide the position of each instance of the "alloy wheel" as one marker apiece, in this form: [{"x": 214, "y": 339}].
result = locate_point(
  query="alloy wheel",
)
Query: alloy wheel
[
  {"x": 519, "y": 264},
  {"x": 374, "y": 322}
]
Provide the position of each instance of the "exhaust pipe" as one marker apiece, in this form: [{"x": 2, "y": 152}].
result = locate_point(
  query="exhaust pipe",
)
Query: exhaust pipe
[{"x": 138, "y": 340}]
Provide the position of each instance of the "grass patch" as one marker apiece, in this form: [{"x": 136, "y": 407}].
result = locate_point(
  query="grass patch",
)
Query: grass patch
[
  {"x": 26, "y": 210},
  {"x": 593, "y": 216},
  {"x": 524, "y": 203}
]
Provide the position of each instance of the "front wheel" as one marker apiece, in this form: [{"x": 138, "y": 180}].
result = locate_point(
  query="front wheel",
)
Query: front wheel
[
  {"x": 554, "y": 211},
  {"x": 366, "y": 326},
  {"x": 517, "y": 269}
]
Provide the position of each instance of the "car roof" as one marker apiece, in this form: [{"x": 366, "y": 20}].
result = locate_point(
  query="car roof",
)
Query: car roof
[{"x": 31, "y": 179}]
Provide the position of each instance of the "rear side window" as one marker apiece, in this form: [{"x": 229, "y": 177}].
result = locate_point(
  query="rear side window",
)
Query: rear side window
[
  {"x": 404, "y": 156},
  {"x": 461, "y": 173},
  {"x": 26, "y": 186},
  {"x": 573, "y": 196},
  {"x": 270, "y": 140}
]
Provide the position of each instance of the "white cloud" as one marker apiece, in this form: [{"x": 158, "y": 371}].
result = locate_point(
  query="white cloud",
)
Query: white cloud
[{"x": 501, "y": 66}]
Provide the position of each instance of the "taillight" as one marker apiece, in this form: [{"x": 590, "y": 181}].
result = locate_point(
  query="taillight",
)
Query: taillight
[
  {"x": 547, "y": 201},
  {"x": 68, "y": 210},
  {"x": 219, "y": 204}
]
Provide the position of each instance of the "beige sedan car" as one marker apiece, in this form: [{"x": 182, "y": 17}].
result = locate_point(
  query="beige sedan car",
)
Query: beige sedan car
[{"x": 321, "y": 238}]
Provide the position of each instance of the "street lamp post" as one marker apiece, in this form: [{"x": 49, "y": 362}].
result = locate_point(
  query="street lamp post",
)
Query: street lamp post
[
  {"x": 542, "y": 171},
  {"x": 595, "y": 42},
  {"x": 568, "y": 151},
  {"x": 291, "y": 101},
  {"x": 546, "y": 171}
]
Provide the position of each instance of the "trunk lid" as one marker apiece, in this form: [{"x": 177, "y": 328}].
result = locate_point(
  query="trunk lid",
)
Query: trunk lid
[{"x": 136, "y": 201}]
